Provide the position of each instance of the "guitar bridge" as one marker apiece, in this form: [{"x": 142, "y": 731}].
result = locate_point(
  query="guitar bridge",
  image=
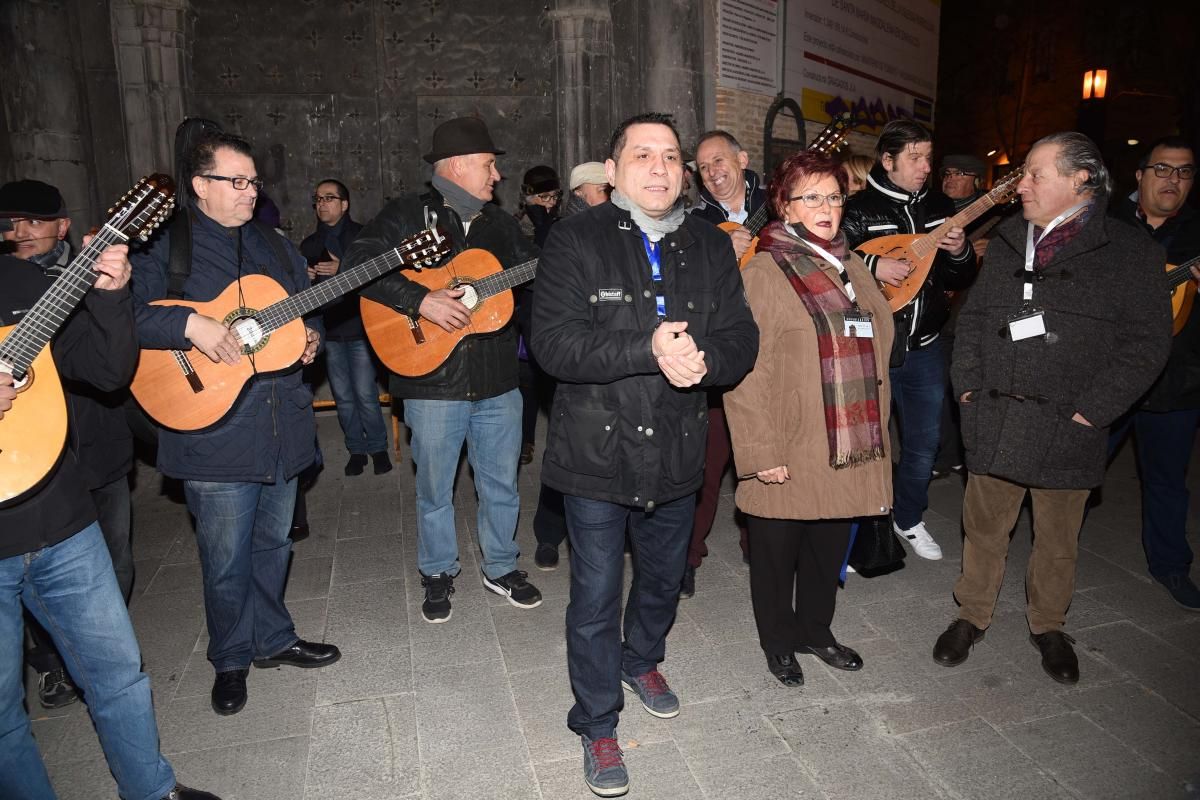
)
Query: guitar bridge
[
  {"x": 415, "y": 326},
  {"x": 189, "y": 372}
]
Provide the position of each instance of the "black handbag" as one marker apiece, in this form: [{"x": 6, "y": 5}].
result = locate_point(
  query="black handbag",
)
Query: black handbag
[{"x": 876, "y": 549}]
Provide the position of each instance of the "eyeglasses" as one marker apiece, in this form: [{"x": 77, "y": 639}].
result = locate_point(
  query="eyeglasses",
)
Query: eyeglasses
[
  {"x": 957, "y": 173},
  {"x": 318, "y": 199},
  {"x": 548, "y": 197},
  {"x": 836, "y": 200},
  {"x": 241, "y": 184},
  {"x": 1186, "y": 172}
]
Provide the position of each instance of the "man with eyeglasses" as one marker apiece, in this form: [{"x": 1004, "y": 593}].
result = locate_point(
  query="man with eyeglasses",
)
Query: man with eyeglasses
[
  {"x": 1165, "y": 423},
  {"x": 239, "y": 475},
  {"x": 349, "y": 362},
  {"x": 898, "y": 200}
]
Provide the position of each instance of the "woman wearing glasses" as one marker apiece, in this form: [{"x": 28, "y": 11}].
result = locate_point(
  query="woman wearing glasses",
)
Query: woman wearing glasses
[{"x": 809, "y": 423}]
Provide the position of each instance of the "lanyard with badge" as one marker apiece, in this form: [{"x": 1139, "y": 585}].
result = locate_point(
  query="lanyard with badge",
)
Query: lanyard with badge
[
  {"x": 1030, "y": 321},
  {"x": 653, "y": 250},
  {"x": 856, "y": 322}
]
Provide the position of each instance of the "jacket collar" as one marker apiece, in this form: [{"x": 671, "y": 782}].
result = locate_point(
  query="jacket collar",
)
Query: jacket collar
[
  {"x": 752, "y": 182},
  {"x": 879, "y": 180},
  {"x": 1092, "y": 236},
  {"x": 619, "y": 218}
]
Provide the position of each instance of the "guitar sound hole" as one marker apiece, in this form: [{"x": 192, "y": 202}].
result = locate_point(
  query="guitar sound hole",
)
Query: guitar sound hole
[
  {"x": 470, "y": 297},
  {"x": 21, "y": 384}
]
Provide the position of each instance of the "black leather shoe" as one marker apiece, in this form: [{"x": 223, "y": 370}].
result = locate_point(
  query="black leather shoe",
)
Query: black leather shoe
[
  {"x": 954, "y": 645},
  {"x": 181, "y": 792},
  {"x": 1058, "y": 657},
  {"x": 299, "y": 532},
  {"x": 786, "y": 669},
  {"x": 229, "y": 692},
  {"x": 306, "y": 655},
  {"x": 838, "y": 656}
]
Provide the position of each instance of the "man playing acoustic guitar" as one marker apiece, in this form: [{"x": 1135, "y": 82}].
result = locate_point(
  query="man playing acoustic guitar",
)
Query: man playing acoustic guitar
[
  {"x": 472, "y": 396},
  {"x": 240, "y": 474}
]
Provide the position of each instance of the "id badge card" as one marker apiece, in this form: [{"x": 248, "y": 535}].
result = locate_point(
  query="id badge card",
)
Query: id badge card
[
  {"x": 1027, "y": 324},
  {"x": 857, "y": 325}
]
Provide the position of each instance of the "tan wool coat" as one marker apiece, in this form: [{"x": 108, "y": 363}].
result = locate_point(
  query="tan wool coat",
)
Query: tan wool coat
[{"x": 776, "y": 415}]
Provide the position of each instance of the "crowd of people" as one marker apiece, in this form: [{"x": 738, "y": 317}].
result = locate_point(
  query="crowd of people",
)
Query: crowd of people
[{"x": 665, "y": 364}]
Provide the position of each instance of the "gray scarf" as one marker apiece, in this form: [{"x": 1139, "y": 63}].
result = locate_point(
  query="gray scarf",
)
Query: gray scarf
[
  {"x": 465, "y": 204},
  {"x": 54, "y": 261},
  {"x": 655, "y": 229}
]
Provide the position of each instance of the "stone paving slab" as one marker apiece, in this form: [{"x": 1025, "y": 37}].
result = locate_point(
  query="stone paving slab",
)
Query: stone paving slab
[{"x": 476, "y": 707}]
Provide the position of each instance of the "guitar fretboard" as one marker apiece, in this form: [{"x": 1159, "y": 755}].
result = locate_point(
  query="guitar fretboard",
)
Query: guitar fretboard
[
  {"x": 46, "y": 318},
  {"x": 505, "y": 279},
  {"x": 1182, "y": 273},
  {"x": 927, "y": 244}
]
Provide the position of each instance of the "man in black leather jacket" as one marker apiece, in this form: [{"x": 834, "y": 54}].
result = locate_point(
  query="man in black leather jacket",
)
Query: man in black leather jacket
[
  {"x": 473, "y": 395},
  {"x": 898, "y": 201}
]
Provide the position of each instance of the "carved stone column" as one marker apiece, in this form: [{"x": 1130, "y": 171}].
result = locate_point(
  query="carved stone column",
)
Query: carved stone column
[
  {"x": 151, "y": 39},
  {"x": 672, "y": 44},
  {"x": 583, "y": 86}
]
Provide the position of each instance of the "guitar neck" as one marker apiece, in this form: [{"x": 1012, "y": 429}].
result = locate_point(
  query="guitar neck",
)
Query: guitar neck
[
  {"x": 50, "y": 312},
  {"x": 927, "y": 244},
  {"x": 506, "y": 279},
  {"x": 278, "y": 314},
  {"x": 756, "y": 221},
  {"x": 1182, "y": 273}
]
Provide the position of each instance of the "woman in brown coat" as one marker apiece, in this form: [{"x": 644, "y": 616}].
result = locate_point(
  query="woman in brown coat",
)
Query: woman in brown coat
[{"x": 809, "y": 423}]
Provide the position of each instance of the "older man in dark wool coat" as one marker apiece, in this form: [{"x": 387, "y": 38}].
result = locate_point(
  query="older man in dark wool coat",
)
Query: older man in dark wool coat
[{"x": 1067, "y": 326}]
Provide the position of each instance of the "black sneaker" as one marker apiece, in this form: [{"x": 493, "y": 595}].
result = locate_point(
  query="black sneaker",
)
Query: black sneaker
[
  {"x": 545, "y": 557},
  {"x": 55, "y": 689},
  {"x": 520, "y": 592},
  {"x": 438, "y": 589},
  {"x": 688, "y": 587}
]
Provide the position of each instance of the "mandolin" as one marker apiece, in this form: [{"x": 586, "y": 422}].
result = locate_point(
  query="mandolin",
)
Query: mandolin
[
  {"x": 921, "y": 249},
  {"x": 415, "y": 347},
  {"x": 34, "y": 431},
  {"x": 187, "y": 391},
  {"x": 1183, "y": 292},
  {"x": 831, "y": 137}
]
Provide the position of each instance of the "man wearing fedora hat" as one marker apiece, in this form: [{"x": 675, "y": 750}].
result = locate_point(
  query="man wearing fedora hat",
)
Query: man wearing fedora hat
[{"x": 473, "y": 396}]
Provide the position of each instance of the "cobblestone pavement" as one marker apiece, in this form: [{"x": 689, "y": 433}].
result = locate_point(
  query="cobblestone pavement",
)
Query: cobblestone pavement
[{"x": 476, "y": 708}]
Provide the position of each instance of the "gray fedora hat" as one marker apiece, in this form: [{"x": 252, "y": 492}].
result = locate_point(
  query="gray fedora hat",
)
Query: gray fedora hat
[{"x": 459, "y": 137}]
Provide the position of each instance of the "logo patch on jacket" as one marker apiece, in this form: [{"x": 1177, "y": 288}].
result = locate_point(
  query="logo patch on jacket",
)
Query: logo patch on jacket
[{"x": 611, "y": 295}]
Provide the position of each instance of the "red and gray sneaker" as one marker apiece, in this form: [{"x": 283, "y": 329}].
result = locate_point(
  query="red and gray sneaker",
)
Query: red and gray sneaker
[
  {"x": 653, "y": 691},
  {"x": 604, "y": 767}
]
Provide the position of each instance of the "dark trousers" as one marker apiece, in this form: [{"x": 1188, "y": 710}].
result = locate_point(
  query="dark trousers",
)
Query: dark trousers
[
  {"x": 918, "y": 387},
  {"x": 800, "y": 559},
  {"x": 550, "y": 519},
  {"x": 527, "y": 382},
  {"x": 596, "y": 654},
  {"x": 718, "y": 455},
  {"x": 1164, "y": 447}
]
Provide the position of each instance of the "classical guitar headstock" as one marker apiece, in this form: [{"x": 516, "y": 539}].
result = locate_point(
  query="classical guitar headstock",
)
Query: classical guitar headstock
[
  {"x": 833, "y": 136},
  {"x": 425, "y": 249},
  {"x": 1005, "y": 190},
  {"x": 144, "y": 207}
]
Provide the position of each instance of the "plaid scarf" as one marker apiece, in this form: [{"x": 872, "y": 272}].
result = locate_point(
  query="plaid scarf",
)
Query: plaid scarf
[{"x": 849, "y": 387}]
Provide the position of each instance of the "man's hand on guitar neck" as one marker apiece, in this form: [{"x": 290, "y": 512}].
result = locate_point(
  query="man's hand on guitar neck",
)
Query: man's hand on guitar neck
[
  {"x": 954, "y": 242},
  {"x": 213, "y": 339},
  {"x": 1196, "y": 274},
  {"x": 7, "y": 392},
  {"x": 892, "y": 271},
  {"x": 112, "y": 265},
  {"x": 741, "y": 238},
  {"x": 443, "y": 308}
]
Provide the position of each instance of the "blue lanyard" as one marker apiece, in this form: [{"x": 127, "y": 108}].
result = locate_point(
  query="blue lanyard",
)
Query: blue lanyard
[{"x": 653, "y": 249}]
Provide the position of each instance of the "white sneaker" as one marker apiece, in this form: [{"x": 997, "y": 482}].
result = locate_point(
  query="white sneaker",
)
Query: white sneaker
[
  {"x": 850, "y": 570},
  {"x": 918, "y": 538}
]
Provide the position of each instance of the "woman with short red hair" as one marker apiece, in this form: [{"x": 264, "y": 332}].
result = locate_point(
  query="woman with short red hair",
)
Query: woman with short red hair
[{"x": 809, "y": 423}]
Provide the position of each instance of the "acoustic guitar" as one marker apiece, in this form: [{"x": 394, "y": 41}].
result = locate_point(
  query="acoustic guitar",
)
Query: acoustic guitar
[
  {"x": 34, "y": 431},
  {"x": 416, "y": 347},
  {"x": 831, "y": 137},
  {"x": 187, "y": 391},
  {"x": 1183, "y": 292},
  {"x": 921, "y": 249}
]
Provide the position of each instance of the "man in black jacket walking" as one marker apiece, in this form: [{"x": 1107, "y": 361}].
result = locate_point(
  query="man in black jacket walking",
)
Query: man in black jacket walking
[
  {"x": 473, "y": 396},
  {"x": 639, "y": 308},
  {"x": 897, "y": 201}
]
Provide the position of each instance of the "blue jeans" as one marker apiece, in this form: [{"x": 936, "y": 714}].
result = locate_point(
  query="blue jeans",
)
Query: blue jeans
[
  {"x": 242, "y": 530},
  {"x": 70, "y": 588},
  {"x": 1164, "y": 448},
  {"x": 351, "y": 372},
  {"x": 492, "y": 430},
  {"x": 917, "y": 389},
  {"x": 595, "y": 653}
]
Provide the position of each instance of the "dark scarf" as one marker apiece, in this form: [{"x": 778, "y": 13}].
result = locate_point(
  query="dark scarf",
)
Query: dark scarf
[
  {"x": 465, "y": 204},
  {"x": 1058, "y": 237},
  {"x": 54, "y": 260},
  {"x": 849, "y": 386}
]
